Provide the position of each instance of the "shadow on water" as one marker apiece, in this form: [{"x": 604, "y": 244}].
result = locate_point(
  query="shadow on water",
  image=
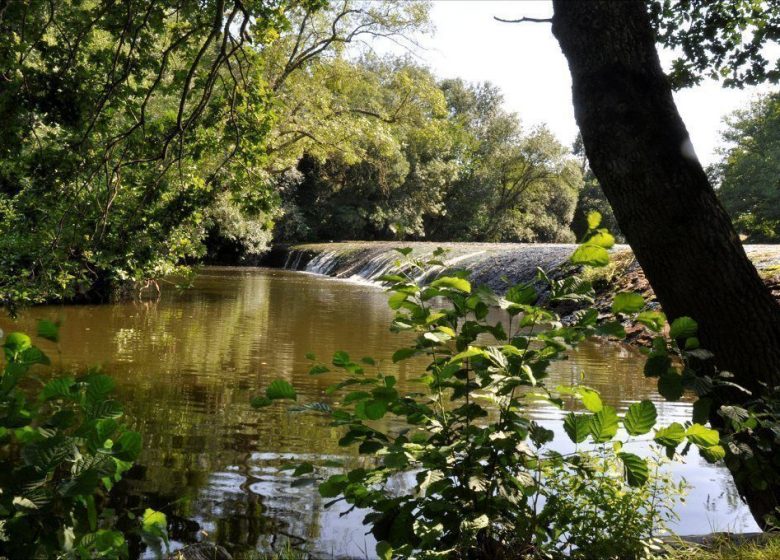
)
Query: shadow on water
[{"x": 186, "y": 367}]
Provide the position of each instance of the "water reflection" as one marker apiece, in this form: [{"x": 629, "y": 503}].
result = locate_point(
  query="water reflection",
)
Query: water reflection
[{"x": 187, "y": 365}]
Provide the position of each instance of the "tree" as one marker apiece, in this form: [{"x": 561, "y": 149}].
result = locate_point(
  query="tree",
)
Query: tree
[
  {"x": 748, "y": 176},
  {"x": 639, "y": 149},
  {"x": 513, "y": 184},
  {"x": 135, "y": 130},
  {"x": 122, "y": 122}
]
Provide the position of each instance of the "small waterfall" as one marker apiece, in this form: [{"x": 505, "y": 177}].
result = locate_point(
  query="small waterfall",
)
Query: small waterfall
[
  {"x": 494, "y": 264},
  {"x": 323, "y": 263}
]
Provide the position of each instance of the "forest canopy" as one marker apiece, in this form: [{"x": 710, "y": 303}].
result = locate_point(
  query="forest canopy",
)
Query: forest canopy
[{"x": 142, "y": 137}]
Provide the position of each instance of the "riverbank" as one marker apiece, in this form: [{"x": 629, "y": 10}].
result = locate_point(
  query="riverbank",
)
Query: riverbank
[{"x": 718, "y": 546}]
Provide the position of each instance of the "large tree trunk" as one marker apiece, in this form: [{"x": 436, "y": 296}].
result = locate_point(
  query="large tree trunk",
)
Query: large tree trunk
[{"x": 639, "y": 150}]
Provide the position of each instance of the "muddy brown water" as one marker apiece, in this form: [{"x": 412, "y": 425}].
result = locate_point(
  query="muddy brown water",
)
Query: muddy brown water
[{"x": 187, "y": 365}]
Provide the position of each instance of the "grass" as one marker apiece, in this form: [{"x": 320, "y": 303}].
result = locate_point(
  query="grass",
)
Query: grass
[
  {"x": 603, "y": 276},
  {"x": 726, "y": 549}
]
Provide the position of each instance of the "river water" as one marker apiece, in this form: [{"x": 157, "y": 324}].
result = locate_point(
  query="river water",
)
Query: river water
[{"x": 187, "y": 365}]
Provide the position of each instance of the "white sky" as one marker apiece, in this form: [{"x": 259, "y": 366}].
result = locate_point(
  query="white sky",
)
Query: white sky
[{"x": 524, "y": 60}]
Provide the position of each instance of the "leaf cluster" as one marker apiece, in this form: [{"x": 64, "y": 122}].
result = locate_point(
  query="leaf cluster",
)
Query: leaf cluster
[
  {"x": 484, "y": 477},
  {"x": 62, "y": 449}
]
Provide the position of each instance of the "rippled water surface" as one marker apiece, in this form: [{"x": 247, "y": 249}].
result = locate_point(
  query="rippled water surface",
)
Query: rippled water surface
[{"x": 187, "y": 365}]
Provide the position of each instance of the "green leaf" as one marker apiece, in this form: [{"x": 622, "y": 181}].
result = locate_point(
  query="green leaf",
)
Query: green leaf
[
  {"x": 692, "y": 343},
  {"x": 576, "y": 426},
  {"x": 318, "y": 369},
  {"x": 590, "y": 255},
  {"x": 602, "y": 238},
  {"x": 611, "y": 328},
  {"x": 522, "y": 294},
  {"x": 403, "y": 353},
  {"x": 375, "y": 409},
  {"x": 627, "y": 302},
  {"x": 470, "y": 352},
  {"x": 635, "y": 469},
  {"x": 383, "y": 550},
  {"x": 333, "y": 486},
  {"x": 640, "y": 418},
  {"x": 98, "y": 387},
  {"x": 586, "y": 317},
  {"x": 604, "y": 425},
  {"x": 60, "y": 387},
  {"x": 594, "y": 219},
  {"x": 341, "y": 359},
  {"x": 397, "y": 299},
  {"x": 670, "y": 436},
  {"x": 154, "y": 524},
  {"x": 280, "y": 389},
  {"x": 260, "y": 402},
  {"x": 34, "y": 355},
  {"x": 713, "y": 453},
  {"x": 654, "y": 320},
  {"x": 303, "y": 468},
  {"x": 356, "y": 396},
  {"x": 405, "y": 251},
  {"x": 105, "y": 409},
  {"x": 683, "y": 327},
  {"x": 701, "y": 436},
  {"x": 128, "y": 446},
  {"x": 17, "y": 342},
  {"x": 590, "y": 398},
  {"x": 49, "y": 330},
  {"x": 670, "y": 386},
  {"x": 657, "y": 365},
  {"x": 460, "y": 284}
]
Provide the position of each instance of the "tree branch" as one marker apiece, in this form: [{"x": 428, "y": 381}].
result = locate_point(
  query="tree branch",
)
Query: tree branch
[{"x": 523, "y": 20}]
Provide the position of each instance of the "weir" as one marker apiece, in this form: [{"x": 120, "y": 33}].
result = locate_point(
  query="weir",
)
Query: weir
[{"x": 497, "y": 265}]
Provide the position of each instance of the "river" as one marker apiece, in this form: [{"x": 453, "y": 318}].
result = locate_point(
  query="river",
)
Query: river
[{"x": 187, "y": 365}]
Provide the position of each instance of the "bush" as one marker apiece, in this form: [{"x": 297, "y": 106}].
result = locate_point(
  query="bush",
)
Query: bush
[
  {"x": 62, "y": 448},
  {"x": 485, "y": 482}
]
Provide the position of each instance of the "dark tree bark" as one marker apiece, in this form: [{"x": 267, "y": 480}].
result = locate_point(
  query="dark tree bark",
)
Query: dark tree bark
[{"x": 639, "y": 149}]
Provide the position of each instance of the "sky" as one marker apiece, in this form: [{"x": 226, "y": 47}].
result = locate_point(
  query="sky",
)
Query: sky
[{"x": 525, "y": 62}]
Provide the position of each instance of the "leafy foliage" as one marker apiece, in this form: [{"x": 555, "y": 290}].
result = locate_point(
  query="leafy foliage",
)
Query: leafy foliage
[
  {"x": 424, "y": 160},
  {"x": 487, "y": 482},
  {"x": 62, "y": 449},
  {"x": 123, "y": 123},
  {"x": 746, "y": 176},
  {"x": 727, "y": 40}
]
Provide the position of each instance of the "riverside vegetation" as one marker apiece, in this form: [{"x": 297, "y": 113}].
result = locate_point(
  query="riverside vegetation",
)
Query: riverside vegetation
[
  {"x": 62, "y": 449},
  {"x": 147, "y": 136},
  {"x": 487, "y": 484},
  {"x": 486, "y": 479}
]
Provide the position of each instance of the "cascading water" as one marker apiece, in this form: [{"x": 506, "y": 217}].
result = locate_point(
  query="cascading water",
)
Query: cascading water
[{"x": 490, "y": 263}]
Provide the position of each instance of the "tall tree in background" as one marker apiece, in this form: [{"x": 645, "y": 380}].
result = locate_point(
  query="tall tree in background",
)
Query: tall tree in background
[
  {"x": 748, "y": 176},
  {"x": 640, "y": 151}
]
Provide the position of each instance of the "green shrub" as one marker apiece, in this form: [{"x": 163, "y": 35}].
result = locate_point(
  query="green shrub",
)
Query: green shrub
[
  {"x": 486, "y": 482},
  {"x": 62, "y": 448}
]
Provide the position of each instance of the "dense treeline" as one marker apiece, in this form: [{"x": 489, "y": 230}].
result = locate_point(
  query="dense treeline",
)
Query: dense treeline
[
  {"x": 748, "y": 175},
  {"x": 458, "y": 168},
  {"x": 145, "y": 135},
  {"x": 142, "y": 136}
]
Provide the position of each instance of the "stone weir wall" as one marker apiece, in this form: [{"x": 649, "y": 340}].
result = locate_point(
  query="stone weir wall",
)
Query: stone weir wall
[
  {"x": 497, "y": 265},
  {"x": 494, "y": 264}
]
